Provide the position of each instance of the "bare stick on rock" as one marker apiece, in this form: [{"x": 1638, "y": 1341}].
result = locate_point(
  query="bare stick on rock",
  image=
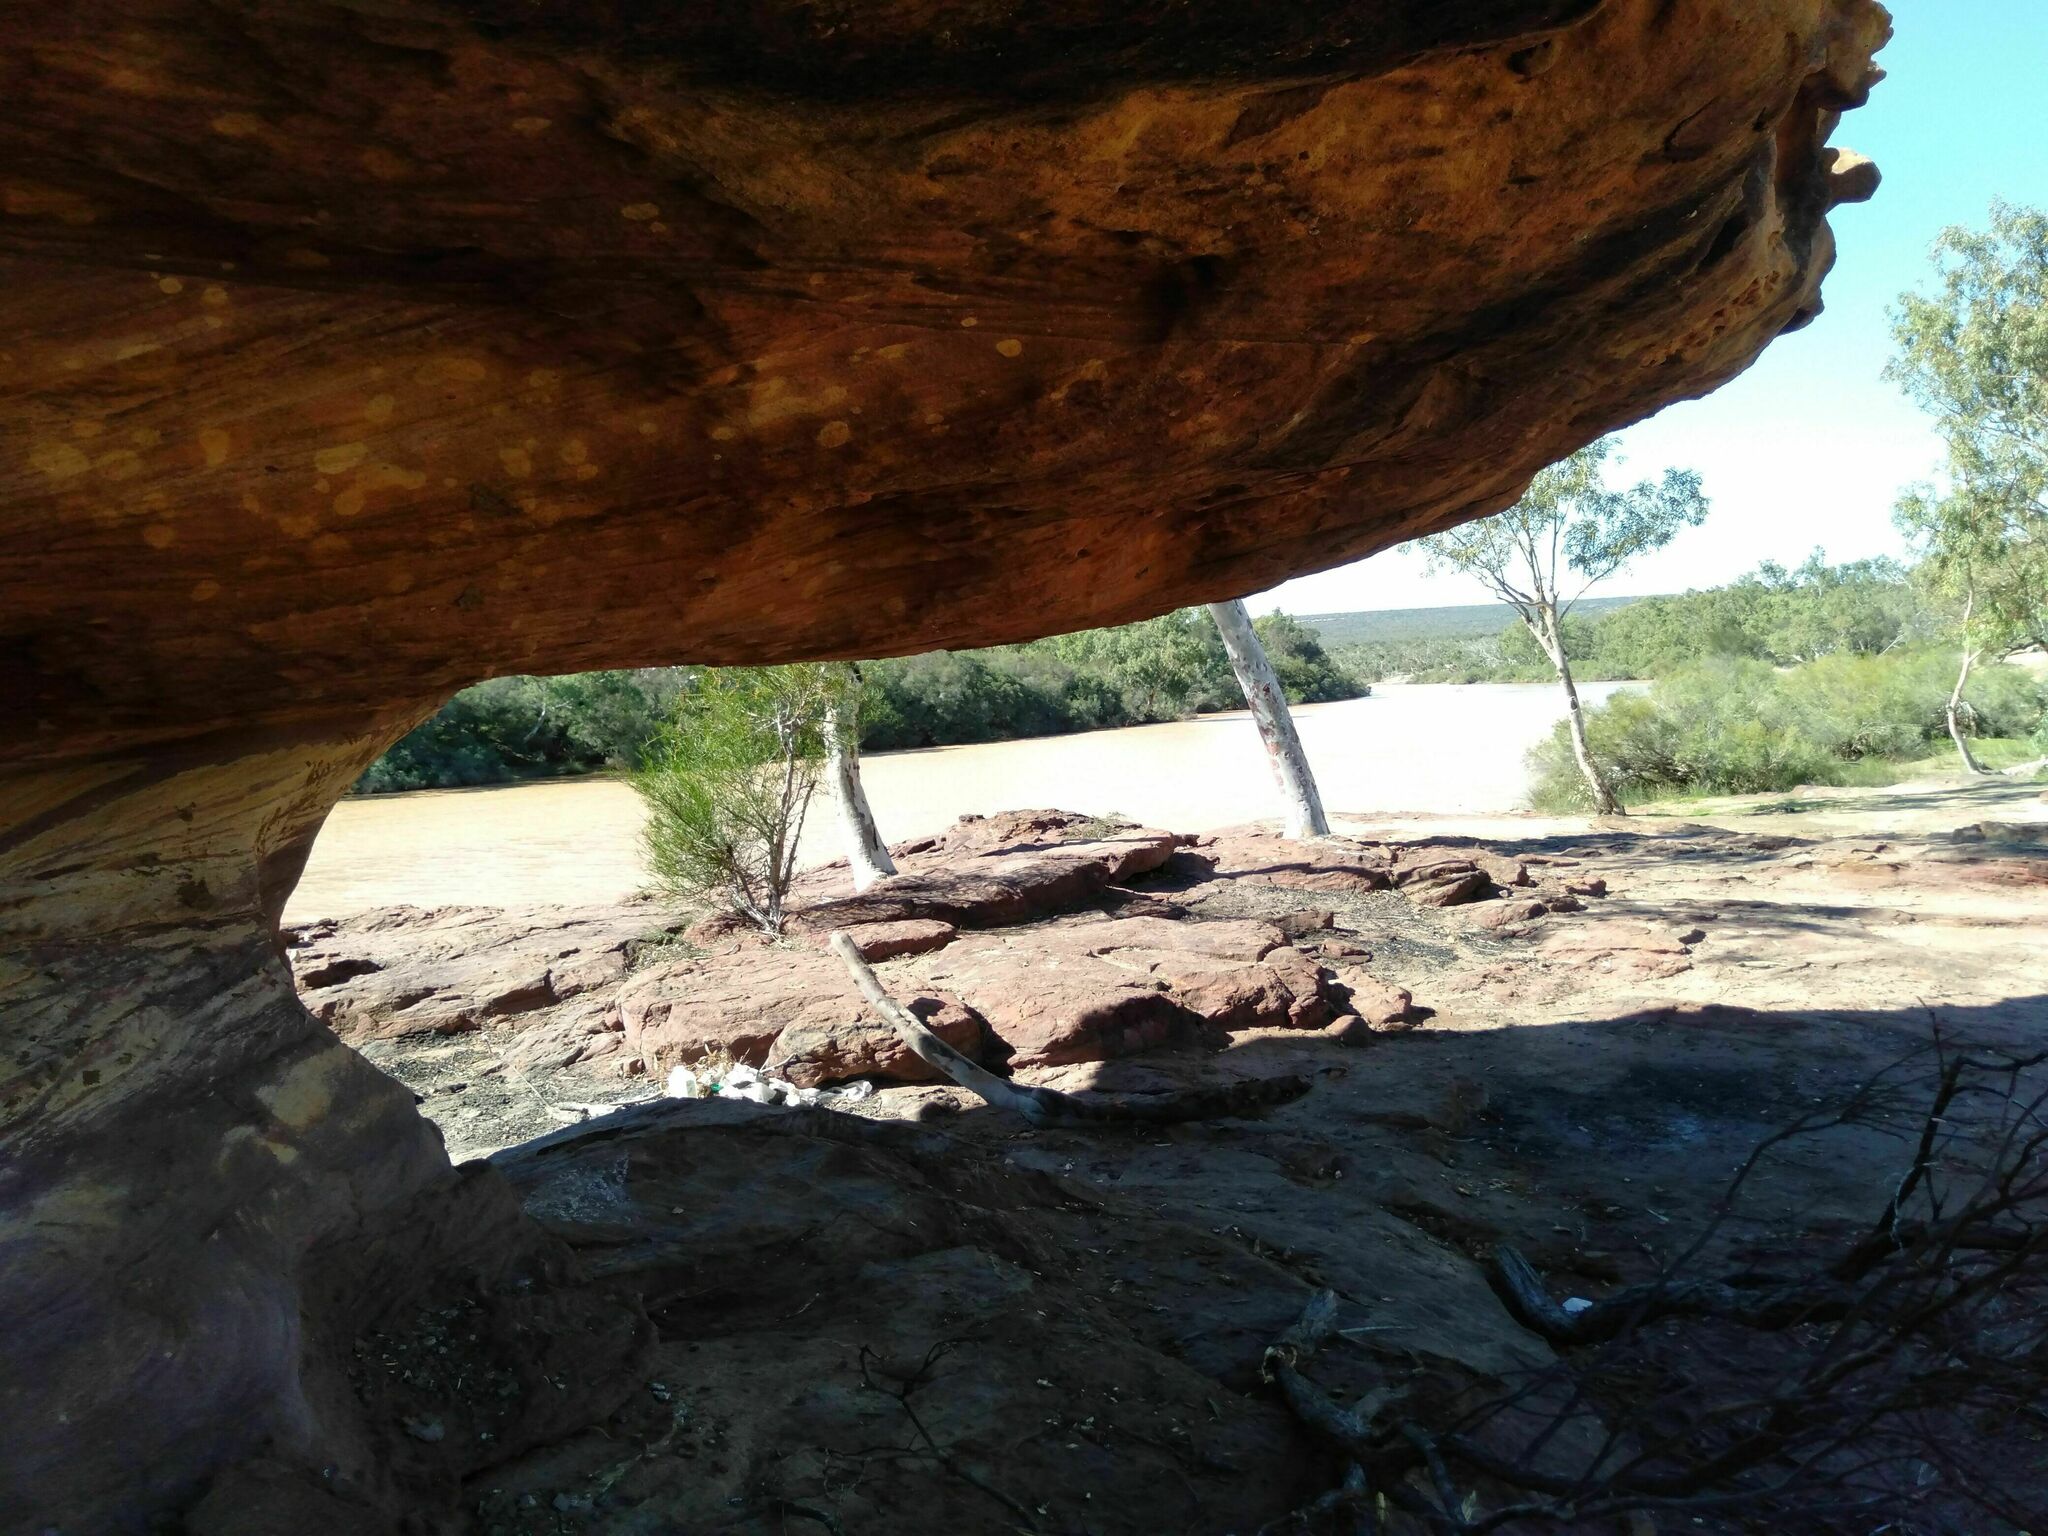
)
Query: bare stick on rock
[{"x": 1048, "y": 1107}]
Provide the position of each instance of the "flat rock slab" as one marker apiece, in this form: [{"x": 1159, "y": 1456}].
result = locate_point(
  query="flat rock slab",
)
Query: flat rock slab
[
  {"x": 1617, "y": 945},
  {"x": 793, "y": 1011},
  {"x": 1227, "y": 939},
  {"x": 1000, "y": 887},
  {"x": 1093, "y": 991},
  {"x": 1427, "y": 874},
  {"x": 906, "y": 936},
  {"x": 549, "y": 973}
]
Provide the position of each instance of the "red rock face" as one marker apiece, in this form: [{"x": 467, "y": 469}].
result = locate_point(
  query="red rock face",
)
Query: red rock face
[{"x": 352, "y": 351}]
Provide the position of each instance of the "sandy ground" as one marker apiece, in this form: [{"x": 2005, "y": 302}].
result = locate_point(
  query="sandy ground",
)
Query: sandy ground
[{"x": 1426, "y": 748}]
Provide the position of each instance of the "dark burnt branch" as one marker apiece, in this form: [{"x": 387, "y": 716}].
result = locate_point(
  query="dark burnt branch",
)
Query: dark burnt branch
[
  {"x": 1883, "y": 1369},
  {"x": 1521, "y": 1290}
]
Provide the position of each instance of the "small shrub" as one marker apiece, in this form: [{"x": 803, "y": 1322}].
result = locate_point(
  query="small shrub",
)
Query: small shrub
[{"x": 728, "y": 782}]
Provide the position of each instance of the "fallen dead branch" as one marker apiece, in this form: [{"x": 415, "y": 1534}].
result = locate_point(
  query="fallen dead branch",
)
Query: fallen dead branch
[
  {"x": 1877, "y": 1383},
  {"x": 1048, "y": 1107}
]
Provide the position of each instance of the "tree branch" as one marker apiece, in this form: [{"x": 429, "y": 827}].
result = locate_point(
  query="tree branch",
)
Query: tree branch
[{"x": 1048, "y": 1107}]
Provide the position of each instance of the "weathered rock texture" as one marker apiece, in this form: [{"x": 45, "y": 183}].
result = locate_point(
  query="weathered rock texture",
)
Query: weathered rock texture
[
  {"x": 1059, "y": 964},
  {"x": 355, "y": 349}
]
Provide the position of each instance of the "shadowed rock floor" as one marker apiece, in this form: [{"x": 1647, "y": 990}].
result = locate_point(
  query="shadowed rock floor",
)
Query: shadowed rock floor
[
  {"x": 359, "y": 351},
  {"x": 923, "y": 1316}
]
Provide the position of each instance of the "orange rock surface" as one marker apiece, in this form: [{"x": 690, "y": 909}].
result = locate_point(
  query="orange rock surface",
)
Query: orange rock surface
[{"x": 353, "y": 350}]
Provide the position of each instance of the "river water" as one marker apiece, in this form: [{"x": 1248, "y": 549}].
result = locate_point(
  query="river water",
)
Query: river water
[{"x": 1410, "y": 749}]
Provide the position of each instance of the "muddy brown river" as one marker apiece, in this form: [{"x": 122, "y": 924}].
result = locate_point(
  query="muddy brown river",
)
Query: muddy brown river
[{"x": 1410, "y": 749}]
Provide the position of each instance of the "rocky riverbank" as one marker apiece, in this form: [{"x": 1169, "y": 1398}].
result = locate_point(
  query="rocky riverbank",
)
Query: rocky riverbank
[{"x": 920, "y": 1314}]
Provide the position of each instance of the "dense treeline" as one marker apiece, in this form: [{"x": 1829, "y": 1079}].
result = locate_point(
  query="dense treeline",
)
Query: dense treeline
[
  {"x": 1823, "y": 674},
  {"x": 1774, "y": 614},
  {"x": 1162, "y": 669},
  {"x": 1863, "y": 608},
  {"x": 1820, "y": 675},
  {"x": 513, "y": 728}
]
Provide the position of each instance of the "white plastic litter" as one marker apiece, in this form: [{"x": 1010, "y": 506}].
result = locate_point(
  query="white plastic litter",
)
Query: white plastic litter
[
  {"x": 743, "y": 1082},
  {"x": 1574, "y": 1305}
]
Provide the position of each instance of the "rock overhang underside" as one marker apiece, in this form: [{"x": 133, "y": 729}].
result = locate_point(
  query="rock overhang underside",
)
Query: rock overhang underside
[{"x": 353, "y": 351}]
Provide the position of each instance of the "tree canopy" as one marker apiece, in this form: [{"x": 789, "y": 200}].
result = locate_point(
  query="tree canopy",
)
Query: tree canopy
[
  {"x": 1974, "y": 355},
  {"x": 728, "y": 781},
  {"x": 1568, "y": 533}
]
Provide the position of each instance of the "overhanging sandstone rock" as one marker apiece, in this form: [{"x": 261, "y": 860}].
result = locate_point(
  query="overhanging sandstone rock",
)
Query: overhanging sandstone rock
[{"x": 351, "y": 350}]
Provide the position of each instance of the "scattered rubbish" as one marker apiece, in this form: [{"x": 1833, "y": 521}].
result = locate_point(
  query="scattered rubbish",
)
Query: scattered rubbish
[
  {"x": 744, "y": 1082},
  {"x": 1574, "y": 1305},
  {"x": 429, "y": 1430}
]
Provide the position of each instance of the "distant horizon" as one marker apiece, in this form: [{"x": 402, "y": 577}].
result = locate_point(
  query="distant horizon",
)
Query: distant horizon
[{"x": 1337, "y": 613}]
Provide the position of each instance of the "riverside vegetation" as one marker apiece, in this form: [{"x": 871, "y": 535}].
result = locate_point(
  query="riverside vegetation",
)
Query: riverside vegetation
[
  {"x": 1820, "y": 674},
  {"x": 1168, "y": 668},
  {"x": 1823, "y": 674}
]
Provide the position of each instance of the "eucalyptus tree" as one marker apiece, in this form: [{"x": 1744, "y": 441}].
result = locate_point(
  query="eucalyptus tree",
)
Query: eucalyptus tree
[
  {"x": 1267, "y": 699},
  {"x": 1974, "y": 355},
  {"x": 1568, "y": 533},
  {"x": 866, "y": 854}
]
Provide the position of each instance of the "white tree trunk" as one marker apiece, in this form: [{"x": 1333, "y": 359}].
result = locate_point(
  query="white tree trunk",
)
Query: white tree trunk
[
  {"x": 1268, "y": 702},
  {"x": 1551, "y": 637},
  {"x": 866, "y": 854},
  {"x": 1955, "y": 710}
]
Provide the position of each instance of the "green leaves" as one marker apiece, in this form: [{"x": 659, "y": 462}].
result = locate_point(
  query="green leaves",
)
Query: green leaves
[
  {"x": 1568, "y": 532},
  {"x": 728, "y": 782},
  {"x": 1974, "y": 355},
  {"x": 1158, "y": 669},
  {"x": 1726, "y": 726}
]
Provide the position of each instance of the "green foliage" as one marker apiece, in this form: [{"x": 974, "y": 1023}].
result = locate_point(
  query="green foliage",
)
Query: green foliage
[
  {"x": 1162, "y": 669},
  {"x": 1306, "y": 671},
  {"x": 1974, "y": 355},
  {"x": 1518, "y": 648},
  {"x": 1864, "y": 607},
  {"x": 513, "y": 728},
  {"x": 1468, "y": 621},
  {"x": 1734, "y": 726},
  {"x": 728, "y": 781},
  {"x": 946, "y": 697},
  {"x": 1785, "y": 617},
  {"x": 1431, "y": 659},
  {"x": 1567, "y": 533}
]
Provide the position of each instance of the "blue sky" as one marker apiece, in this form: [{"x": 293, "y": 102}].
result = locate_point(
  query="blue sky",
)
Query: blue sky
[{"x": 1811, "y": 446}]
